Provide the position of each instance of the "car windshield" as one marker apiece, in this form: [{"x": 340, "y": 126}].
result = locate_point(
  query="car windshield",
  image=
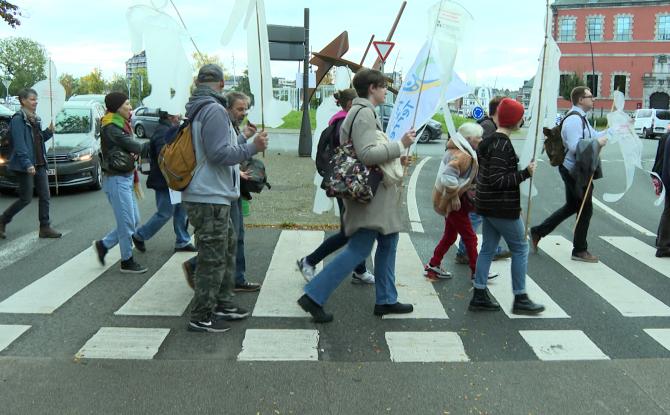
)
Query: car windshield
[
  {"x": 663, "y": 115},
  {"x": 73, "y": 121}
]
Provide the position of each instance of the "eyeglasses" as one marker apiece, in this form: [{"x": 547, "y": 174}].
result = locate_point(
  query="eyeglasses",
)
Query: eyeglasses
[{"x": 588, "y": 96}]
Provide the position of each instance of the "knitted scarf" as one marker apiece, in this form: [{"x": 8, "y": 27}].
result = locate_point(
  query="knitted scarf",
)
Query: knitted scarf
[{"x": 118, "y": 120}]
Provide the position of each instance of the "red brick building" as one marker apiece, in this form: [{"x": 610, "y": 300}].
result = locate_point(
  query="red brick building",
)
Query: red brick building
[{"x": 631, "y": 49}]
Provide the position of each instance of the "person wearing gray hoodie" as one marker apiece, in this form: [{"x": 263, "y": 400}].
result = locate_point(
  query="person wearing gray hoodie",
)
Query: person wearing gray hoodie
[{"x": 208, "y": 198}]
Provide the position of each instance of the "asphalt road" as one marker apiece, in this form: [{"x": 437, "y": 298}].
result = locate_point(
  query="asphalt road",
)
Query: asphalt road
[{"x": 355, "y": 370}]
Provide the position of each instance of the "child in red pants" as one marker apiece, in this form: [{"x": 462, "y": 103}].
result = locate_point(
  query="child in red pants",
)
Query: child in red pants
[{"x": 450, "y": 198}]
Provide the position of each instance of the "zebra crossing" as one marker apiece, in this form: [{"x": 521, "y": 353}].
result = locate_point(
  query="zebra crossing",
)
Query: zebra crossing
[{"x": 286, "y": 334}]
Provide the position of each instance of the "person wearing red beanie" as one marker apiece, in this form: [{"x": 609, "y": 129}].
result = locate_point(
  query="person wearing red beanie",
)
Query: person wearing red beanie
[{"x": 498, "y": 201}]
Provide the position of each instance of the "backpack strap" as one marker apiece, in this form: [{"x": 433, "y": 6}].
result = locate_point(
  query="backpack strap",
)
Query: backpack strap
[{"x": 584, "y": 122}]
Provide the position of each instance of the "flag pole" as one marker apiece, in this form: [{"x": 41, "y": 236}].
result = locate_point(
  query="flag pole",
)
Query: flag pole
[
  {"x": 53, "y": 139},
  {"x": 538, "y": 121},
  {"x": 260, "y": 64}
]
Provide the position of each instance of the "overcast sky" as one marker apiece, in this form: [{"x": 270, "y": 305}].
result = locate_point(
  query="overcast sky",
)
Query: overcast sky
[{"x": 502, "y": 50}]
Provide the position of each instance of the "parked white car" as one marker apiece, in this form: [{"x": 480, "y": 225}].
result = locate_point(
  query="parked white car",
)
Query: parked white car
[{"x": 651, "y": 123}]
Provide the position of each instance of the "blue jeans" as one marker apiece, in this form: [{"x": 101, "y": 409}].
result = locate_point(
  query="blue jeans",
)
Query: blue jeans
[
  {"x": 476, "y": 222},
  {"x": 238, "y": 225},
  {"x": 513, "y": 232},
  {"x": 119, "y": 190},
  {"x": 359, "y": 248},
  {"x": 164, "y": 211}
]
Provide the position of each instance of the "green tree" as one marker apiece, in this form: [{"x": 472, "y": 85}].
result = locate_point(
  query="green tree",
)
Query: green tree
[
  {"x": 92, "y": 83},
  {"x": 568, "y": 83},
  {"x": 135, "y": 94},
  {"x": 117, "y": 84},
  {"x": 9, "y": 13},
  {"x": 70, "y": 84},
  {"x": 243, "y": 85},
  {"x": 205, "y": 58},
  {"x": 23, "y": 60}
]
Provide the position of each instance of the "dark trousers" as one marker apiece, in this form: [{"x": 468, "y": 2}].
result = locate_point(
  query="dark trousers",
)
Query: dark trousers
[
  {"x": 663, "y": 238},
  {"x": 571, "y": 207},
  {"x": 28, "y": 182},
  {"x": 332, "y": 244}
]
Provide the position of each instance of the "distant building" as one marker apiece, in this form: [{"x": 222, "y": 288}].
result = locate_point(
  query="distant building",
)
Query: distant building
[
  {"x": 138, "y": 61},
  {"x": 631, "y": 49},
  {"x": 525, "y": 91}
]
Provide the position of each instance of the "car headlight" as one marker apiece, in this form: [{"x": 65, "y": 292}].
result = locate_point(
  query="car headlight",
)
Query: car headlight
[
  {"x": 2, "y": 161},
  {"x": 82, "y": 155}
]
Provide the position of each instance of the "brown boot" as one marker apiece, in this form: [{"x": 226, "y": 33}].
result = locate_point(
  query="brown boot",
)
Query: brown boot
[
  {"x": 49, "y": 232},
  {"x": 2, "y": 230},
  {"x": 584, "y": 256}
]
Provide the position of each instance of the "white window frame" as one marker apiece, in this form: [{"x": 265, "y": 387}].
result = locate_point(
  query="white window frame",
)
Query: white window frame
[
  {"x": 620, "y": 73},
  {"x": 562, "y": 19},
  {"x": 599, "y": 84},
  {"x": 600, "y": 36},
  {"x": 616, "y": 24},
  {"x": 657, "y": 24}
]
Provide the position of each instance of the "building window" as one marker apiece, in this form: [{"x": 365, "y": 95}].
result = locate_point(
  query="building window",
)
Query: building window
[
  {"x": 592, "y": 82},
  {"x": 623, "y": 27},
  {"x": 594, "y": 27},
  {"x": 663, "y": 27},
  {"x": 567, "y": 29},
  {"x": 619, "y": 83}
]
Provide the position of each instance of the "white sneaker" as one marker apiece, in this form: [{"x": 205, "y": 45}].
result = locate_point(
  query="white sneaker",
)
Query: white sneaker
[
  {"x": 306, "y": 270},
  {"x": 365, "y": 278}
]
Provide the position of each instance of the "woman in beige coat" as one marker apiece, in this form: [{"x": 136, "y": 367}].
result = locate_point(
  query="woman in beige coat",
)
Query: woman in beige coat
[{"x": 380, "y": 220}]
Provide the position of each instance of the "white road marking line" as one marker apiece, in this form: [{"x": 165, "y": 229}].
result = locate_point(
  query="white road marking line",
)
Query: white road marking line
[
  {"x": 501, "y": 288},
  {"x": 414, "y": 346},
  {"x": 662, "y": 336},
  {"x": 412, "y": 208},
  {"x": 622, "y": 218},
  {"x": 165, "y": 294},
  {"x": 283, "y": 283},
  {"x": 555, "y": 345},
  {"x": 17, "y": 249},
  {"x": 280, "y": 345},
  {"x": 641, "y": 252},
  {"x": 9, "y": 333},
  {"x": 412, "y": 287},
  {"x": 628, "y": 298},
  {"x": 51, "y": 291},
  {"x": 123, "y": 343}
]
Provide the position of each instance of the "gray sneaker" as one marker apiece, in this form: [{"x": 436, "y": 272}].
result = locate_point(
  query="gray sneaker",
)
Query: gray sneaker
[
  {"x": 365, "y": 278},
  {"x": 306, "y": 270}
]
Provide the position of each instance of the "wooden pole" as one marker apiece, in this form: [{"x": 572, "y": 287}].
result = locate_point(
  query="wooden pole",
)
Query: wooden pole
[
  {"x": 260, "y": 64},
  {"x": 185, "y": 28},
  {"x": 538, "y": 121},
  {"x": 51, "y": 117},
  {"x": 581, "y": 208},
  {"x": 367, "y": 49}
]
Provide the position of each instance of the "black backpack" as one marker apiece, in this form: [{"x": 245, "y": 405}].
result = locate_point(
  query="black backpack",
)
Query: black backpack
[
  {"x": 553, "y": 142},
  {"x": 660, "y": 152},
  {"x": 258, "y": 180},
  {"x": 328, "y": 142},
  {"x": 6, "y": 138}
]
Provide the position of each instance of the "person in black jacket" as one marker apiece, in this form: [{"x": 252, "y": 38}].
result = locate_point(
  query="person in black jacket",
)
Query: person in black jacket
[
  {"x": 28, "y": 162},
  {"x": 166, "y": 131},
  {"x": 119, "y": 152},
  {"x": 498, "y": 200},
  {"x": 662, "y": 168}
]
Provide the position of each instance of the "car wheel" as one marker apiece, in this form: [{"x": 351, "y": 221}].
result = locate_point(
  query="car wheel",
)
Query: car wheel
[
  {"x": 425, "y": 136},
  {"x": 645, "y": 134},
  {"x": 97, "y": 176},
  {"x": 139, "y": 131}
]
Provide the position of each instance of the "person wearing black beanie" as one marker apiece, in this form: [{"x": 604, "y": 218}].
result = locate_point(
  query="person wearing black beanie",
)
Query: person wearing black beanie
[{"x": 119, "y": 152}]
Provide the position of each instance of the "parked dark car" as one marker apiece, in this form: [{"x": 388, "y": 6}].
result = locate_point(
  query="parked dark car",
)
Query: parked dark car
[
  {"x": 73, "y": 155},
  {"x": 433, "y": 130},
  {"x": 5, "y": 118},
  {"x": 144, "y": 121}
]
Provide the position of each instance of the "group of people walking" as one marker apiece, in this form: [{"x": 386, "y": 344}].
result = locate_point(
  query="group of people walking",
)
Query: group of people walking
[{"x": 477, "y": 184}]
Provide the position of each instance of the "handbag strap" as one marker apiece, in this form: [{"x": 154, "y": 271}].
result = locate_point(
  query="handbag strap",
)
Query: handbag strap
[{"x": 354, "y": 119}]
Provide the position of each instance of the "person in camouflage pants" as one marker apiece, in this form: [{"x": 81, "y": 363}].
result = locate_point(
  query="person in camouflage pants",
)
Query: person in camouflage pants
[{"x": 217, "y": 243}]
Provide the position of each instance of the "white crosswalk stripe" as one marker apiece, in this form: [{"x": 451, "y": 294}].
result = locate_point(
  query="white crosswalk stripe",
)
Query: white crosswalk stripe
[
  {"x": 23, "y": 246},
  {"x": 9, "y": 333},
  {"x": 123, "y": 343},
  {"x": 641, "y": 252},
  {"x": 662, "y": 336},
  {"x": 629, "y": 299},
  {"x": 280, "y": 345},
  {"x": 48, "y": 293},
  {"x": 406, "y": 346},
  {"x": 562, "y": 345}
]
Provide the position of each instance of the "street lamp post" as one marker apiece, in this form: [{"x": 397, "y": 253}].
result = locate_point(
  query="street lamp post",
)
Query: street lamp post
[{"x": 6, "y": 82}]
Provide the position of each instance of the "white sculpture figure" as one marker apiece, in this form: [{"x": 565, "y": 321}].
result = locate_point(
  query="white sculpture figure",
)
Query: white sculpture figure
[
  {"x": 253, "y": 11},
  {"x": 51, "y": 95},
  {"x": 168, "y": 67},
  {"x": 324, "y": 113},
  {"x": 621, "y": 131}
]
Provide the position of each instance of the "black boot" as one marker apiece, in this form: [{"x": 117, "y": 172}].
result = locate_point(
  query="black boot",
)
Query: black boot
[
  {"x": 319, "y": 315},
  {"x": 2, "y": 229},
  {"x": 524, "y": 305},
  {"x": 482, "y": 302}
]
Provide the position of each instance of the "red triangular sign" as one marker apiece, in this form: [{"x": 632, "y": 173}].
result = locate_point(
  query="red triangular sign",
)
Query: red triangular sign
[{"x": 383, "y": 49}]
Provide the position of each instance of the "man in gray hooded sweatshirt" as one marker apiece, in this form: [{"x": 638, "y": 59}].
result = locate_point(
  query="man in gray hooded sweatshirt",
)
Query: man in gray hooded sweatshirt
[{"x": 208, "y": 198}]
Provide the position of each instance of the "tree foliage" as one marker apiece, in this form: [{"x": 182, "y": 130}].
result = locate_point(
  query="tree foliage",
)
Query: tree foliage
[
  {"x": 70, "y": 84},
  {"x": 93, "y": 83},
  {"x": 205, "y": 58},
  {"x": 117, "y": 84},
  {"x": 243, "y": 85},
  {"x": 10, "y": 13},
  {"x": 137, "y": 95},
  {"x": 23, "y": 60}
]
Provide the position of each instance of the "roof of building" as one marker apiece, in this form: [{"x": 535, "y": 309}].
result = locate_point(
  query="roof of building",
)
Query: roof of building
[{"x": 601, "y": 3}]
